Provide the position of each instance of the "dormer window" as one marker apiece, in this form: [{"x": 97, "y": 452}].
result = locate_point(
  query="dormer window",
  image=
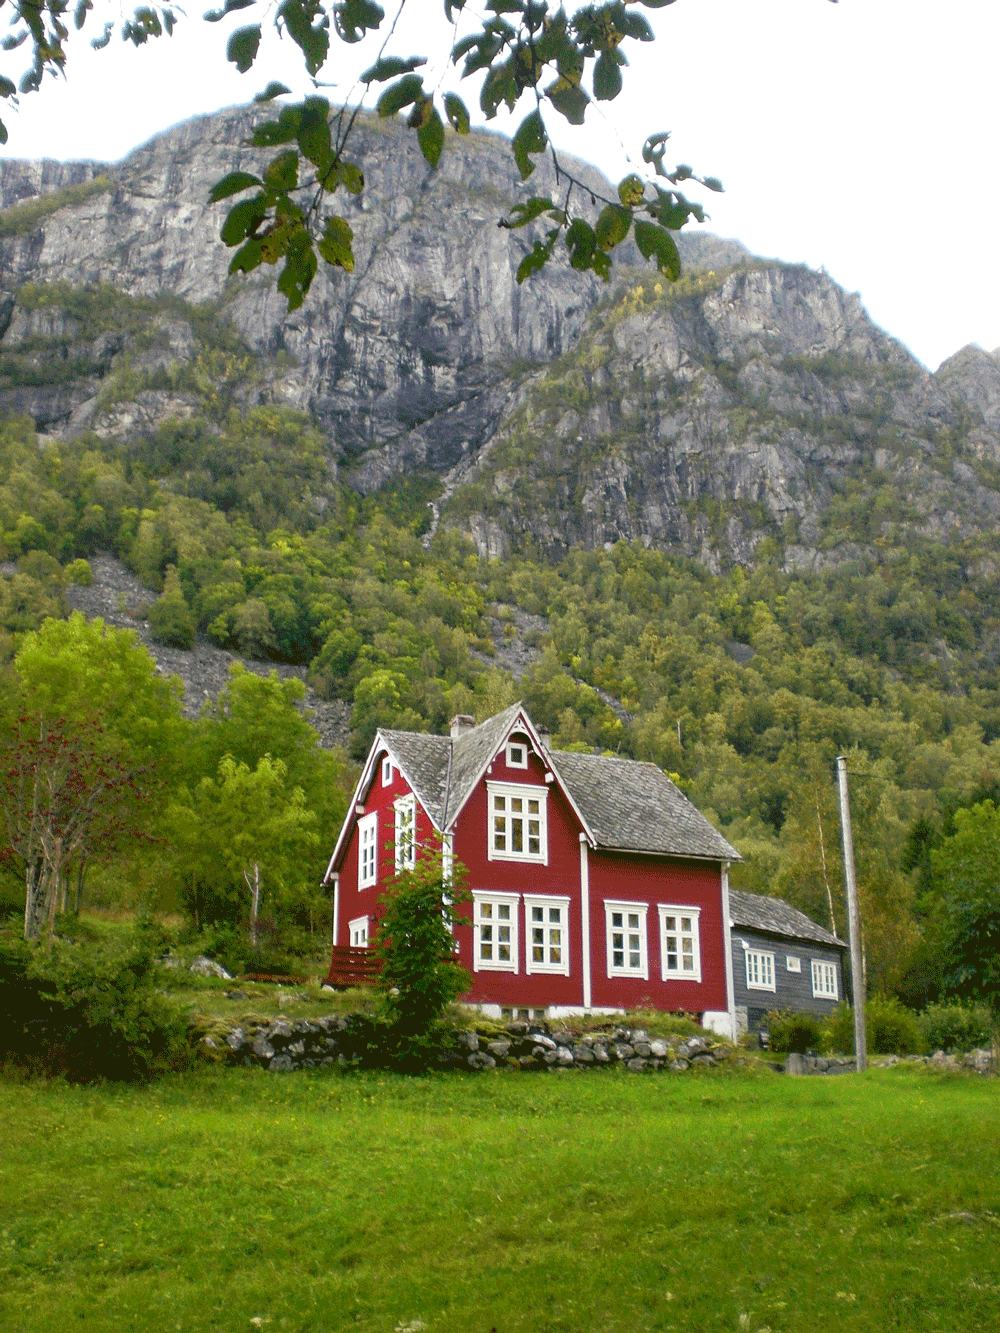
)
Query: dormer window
[
  {"x": 386, "y": 772},
  {"x": 517, "y": 754}
]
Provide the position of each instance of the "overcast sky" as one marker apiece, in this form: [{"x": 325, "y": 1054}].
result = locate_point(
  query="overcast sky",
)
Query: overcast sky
[{"x": 859, "y": 136}]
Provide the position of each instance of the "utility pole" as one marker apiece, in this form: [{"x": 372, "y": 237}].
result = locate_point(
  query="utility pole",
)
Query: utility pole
[{"x": 853, "y": 919}]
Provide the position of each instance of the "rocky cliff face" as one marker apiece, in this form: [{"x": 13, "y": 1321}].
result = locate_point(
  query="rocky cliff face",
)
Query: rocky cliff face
[{"x": 755, "y": 402}]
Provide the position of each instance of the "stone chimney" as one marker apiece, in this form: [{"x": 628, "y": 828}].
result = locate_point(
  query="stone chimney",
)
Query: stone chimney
[{"x": 460, "y": 724}]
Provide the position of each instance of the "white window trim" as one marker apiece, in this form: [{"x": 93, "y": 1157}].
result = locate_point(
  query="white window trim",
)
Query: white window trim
[
  {"x": 612, "y": 905},
  {"x": 793, "y": 964},
  {"x": 510, "y": 900},
  {"x": 545, "y": 901},
  {"x": 517, "y": 763},
  {"x": 669, "y": 909},
  {"x": 405, "y": 853},
  {"x": 762, "y": 954},
  {"x": 529, "y": 793},
  {"x": 359, "y": 926},
  {"x": 386, "y": 772},
  {"x": 818, "y": 966},
  {"x": 368, "y": 843}
]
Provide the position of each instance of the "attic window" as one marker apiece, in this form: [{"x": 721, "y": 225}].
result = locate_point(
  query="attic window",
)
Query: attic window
[
  {"x": 517, "y": 754},
  {"x": 386, "y": 772},
  {"x": 517, "y": 828}
]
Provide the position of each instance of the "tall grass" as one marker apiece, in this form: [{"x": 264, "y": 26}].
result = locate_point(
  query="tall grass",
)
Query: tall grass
[{"x": 310, "y": 1203}]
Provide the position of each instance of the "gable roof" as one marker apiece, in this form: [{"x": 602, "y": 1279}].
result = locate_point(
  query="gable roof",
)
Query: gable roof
[
  {"x": 774, "y": 916},
  {"x": 622, "y": 804}
]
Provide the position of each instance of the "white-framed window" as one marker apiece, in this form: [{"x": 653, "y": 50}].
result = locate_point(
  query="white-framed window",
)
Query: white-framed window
[
  {"x": 546, "y": 935},
  {"x": 359, "y": 933},
  {"x": 386, "y": 771},
  {"x": 792, "y": 964},
  {"x": 517, "y": 828},
  {"x": 494, "y": 930},
  {"x": 824, "y": 979},
  {"x": 517, "y": 754},
  {"x": 367, "y": 850},
  {"x": 405, "y": 809},
  {"x": 628, "y": 955},
  {"x": 680, "y": 951},
  {"x": 760, "y": 970}
]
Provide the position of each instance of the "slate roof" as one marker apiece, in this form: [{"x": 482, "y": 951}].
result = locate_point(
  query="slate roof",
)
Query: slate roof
[
  {"x": 752, "y": 911},
  {"x": 626, "y": 805}
]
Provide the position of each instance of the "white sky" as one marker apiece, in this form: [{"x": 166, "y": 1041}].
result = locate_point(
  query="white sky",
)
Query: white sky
[{"x": 858, "y": 136}]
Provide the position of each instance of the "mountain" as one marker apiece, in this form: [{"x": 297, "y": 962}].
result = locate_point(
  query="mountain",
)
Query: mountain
[{"x": 752, "y": 404}]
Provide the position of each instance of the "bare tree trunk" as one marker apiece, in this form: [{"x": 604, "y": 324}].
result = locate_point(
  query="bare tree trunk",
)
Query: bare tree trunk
[
  {"x": 253, "y": 884},
  {"x": 32, "y": 899},
  {"x": 81, "y": 872}
]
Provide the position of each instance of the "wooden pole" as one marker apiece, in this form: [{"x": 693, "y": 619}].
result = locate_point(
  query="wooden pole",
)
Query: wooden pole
[{"x": 853, "y": 920}]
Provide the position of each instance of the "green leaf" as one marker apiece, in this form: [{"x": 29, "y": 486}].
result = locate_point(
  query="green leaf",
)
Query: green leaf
[
  {"x": 612, "y": 226},
  {"x": 457, "y": 113},
  {"x": 3, "y": 132},
  {"x": 353, "y": 18},
  {"x": 272, "y": 91},
  {"x": 312, "y": 41},
  {"x": 247, "y": 257},
  {"x": 335, "y": 244},
  {"x": 582, "y": 243},
  {"x": 7, "y": 86},
  {"x": 656, "y": 4},
  {"x": 713, "y": 183},
  {"x": 400, "y": 94},
  {"x": 243, "y": 219},
  {"x": 530, "y": 138},
  {"x": 232, "y": 184},
  {"x": 430, "y": 136},
  {"x": 213, "y": 15},
  {"x": 241, "y": 49},
  {"x": 282, "y": 174},
  {"x": 283, "y": 130},
  {"x": 569, "y": 100},
  {"x": 347, "y": 174},
  {"x": 607, "y": 77},
  {"x": 314, "y": 132},
  {"x": 389, "y": 67},
  {"x": 296, "y": 277},
  {"x": 656, "y": 243},
  {"x": 634, "y": 25},
  {"x": 538, "y": 256},
  {"x": 522, "y": 214},
  {"x": 631, "y": 190}
]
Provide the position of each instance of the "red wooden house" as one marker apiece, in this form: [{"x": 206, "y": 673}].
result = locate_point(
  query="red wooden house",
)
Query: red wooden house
[{"x": 596, "y": 885}]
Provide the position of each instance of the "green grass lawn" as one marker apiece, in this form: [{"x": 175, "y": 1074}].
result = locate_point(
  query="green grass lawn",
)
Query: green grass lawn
[{"x": 236, "y": 1199}]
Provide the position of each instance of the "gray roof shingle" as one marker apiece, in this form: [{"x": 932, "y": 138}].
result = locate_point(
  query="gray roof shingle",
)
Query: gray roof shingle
[
  {"x": 627, "y": 805},
  {"x": 752, "y": 911}
]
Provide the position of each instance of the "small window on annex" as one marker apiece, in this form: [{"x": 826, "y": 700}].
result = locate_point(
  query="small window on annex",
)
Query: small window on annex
[
  {"x": 494, "y": 921},
  {"x": 367, "y": 851},
  {"x": 405, "y": 809},
  {"x": 680, "y": 952},
  {"x": 824, "y": 979},
  {"x": 546, "y": 931},
  {"x": 628, "y": 955},
  {"x": 359, "y": 933},
  {"x": 760, "y": 970}
]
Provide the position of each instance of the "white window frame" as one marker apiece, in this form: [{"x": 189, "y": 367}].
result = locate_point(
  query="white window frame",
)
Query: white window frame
[
  {"x": 386, "y": 771},
  {"x": 691, "y": 915},
  {"x": 368, "y": 850},
  {"x": 359, "y": 932},
  {"x": 546, "y": 904},
  {"x": 760, "y": 969},
  {"x": 405, "y": 831},
  {"x": 511, "y": 792},
  {"x": 612, "y": 907},
  {"x": 522, "y": 748},
  {"x": 822, "y": 969},
  {"x": 494, "y": 923},
  {"x": 792, "y": 964}
]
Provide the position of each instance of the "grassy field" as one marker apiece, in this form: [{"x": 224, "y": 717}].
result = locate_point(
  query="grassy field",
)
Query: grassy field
[{"x": 235, "y": 1199}]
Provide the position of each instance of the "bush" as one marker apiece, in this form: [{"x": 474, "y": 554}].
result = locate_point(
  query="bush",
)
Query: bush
[
  {"x": 953, "y": 1025},
  {"x": 88, "y": 1011},
  {"x": 890, "y": 1029},
  {"x": 790, "y": 1031}
]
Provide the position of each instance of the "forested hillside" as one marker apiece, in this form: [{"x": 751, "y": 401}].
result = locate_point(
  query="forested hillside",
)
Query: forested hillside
[{"x": 729, "y": 526}]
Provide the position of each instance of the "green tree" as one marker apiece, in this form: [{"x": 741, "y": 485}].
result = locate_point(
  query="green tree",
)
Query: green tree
[
  {"x": 87, "y": 738},
  {"x": 535, "y": 59},
  {"x": 415, "y": 942},
  {"x": 967, "y": 873}
]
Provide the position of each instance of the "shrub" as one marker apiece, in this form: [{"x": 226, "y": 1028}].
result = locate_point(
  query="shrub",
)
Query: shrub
[
  {"x": 890, "y": 1029},
  {"x": 88, "y": 1011},
  {"x": 790, "y": 1031},
  {"x": 953, "y": 1025}
]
